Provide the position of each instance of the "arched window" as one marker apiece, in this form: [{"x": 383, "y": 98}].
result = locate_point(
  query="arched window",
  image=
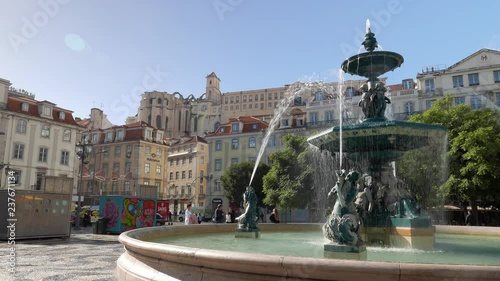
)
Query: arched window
[
  {"x": 196, "y": 124},
  {"x": 186, "y": 123},
  {"x": 179, "y": 121},
  {"x": 158, "y": 122},
  {"x": 149, "y": 119},
  {"x": 166, "y": 101},
  {"x": 159, "y": 101},
  {"x": 150, "y": 100}
]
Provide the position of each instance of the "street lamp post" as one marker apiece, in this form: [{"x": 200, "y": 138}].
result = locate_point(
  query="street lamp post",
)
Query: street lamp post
[{"x": 83, "y": 150}]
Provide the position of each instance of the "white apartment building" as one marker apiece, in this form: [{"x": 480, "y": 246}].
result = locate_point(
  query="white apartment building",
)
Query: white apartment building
[{"x": 38, "y": 139}]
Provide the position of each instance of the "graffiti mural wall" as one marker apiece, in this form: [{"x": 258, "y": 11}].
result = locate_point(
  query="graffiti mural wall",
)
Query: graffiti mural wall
[{"x": 126, "y": 213}]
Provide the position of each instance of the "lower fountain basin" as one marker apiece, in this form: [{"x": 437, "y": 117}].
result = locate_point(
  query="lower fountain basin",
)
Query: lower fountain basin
[{"x": 145, "y": 260}]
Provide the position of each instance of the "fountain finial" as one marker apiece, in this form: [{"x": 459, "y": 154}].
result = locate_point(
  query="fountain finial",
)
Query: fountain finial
[{"x": 370, "y": 42}]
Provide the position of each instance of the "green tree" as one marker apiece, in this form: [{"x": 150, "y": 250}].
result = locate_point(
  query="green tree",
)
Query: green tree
[
  {"x": 288, "y": 184},
  {"x": 236, "y": 179},
  {"x": 473, "y": 151}
]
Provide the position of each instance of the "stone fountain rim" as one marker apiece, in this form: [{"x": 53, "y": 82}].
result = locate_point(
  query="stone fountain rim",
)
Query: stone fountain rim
[{"x": 154, "y": 259}]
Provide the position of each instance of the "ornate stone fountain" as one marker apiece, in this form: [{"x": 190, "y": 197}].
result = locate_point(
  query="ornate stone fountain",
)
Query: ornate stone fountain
[{"x": 375, "y": 199}]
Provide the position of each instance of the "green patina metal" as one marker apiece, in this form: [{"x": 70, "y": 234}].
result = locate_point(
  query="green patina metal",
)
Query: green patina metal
[{"x": 374, "y": 144}]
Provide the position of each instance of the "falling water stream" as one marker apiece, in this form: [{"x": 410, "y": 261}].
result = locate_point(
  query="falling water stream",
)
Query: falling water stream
[{"x": 305, "y": 90}]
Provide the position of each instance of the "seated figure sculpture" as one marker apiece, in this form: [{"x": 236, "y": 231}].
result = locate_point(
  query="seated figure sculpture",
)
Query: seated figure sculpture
[{"x": 343, "y": 223}]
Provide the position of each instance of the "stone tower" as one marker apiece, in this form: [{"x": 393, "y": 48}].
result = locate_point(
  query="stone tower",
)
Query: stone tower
[{"x": 213, "y": 88}]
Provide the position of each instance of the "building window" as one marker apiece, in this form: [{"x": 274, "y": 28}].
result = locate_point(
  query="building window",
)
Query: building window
[
  {"x": 191, "y": 159},
  {"x": 458, "y": 81},
  {"x": 176, "y": 175},
  {"x": 272, "y": 141},
  {"x": 269, "y": 104},
  {"x": 17, "y": 177},
  {"x": 171, "y": 176},
  {"x": 250, "y": 106},
  {"x": 261, "y": 97},
  {"x": 47, "y": 111},
  {"x": 496, "y": 76},
  {"x": 25, "y": 107},
  {"x": 183, "y": 160},
  {"x": 183, "y": 175},
  {"x": 429, "y": 85},
  {"x": 235, "y": 127},
  {"x": 252, "y": 142},
  {"x": 473, "y": 79},
  {"x": 190, "y": 174},
  {"x": 42, "y": 154},
  {"x": 126, "y": 188},
  {"x": 202, "y": 159},
  {"x": 218, "y": 145},
  {"x": 64, "y": 157},
  {"x": 158, "y": 152},
  {"x": 118, "y": 151},
  {"x": 234, "y": 161},
  {"x": 217, "y": 186},
  {"x": 231, "y": 100},
  {"x": 349, "y": 92},
  {"x": 244, "y": 107},
  {"x": 171, "y": 162},
  {"x": 250, "y": 98},
  {"x": 114, "y": 187},
  {"x": 475, "y": 102},
  {"x": 329, "y": 115},
  {"x": 62, "y": 115},
  {"x": 428, "y": 103},
  {"x": 109, "y": 136},
  {"x": 94, "y": 138},
  {"x": 105, "y": 168},
  {"x": 45, "y": 133},
  {"x": 459, "y": 100},
  {"x": 284, "y": 122},
  {"x": 407, "y": 84},
  {"x": 409, "y": 107},
  {"x": 218, "y": 164},
  {"x": 67, "y": 135},
  {"x": 40, "y": 181},
  {"x": 158, "y": 169},
  {"x": 21, "y": 125},
  {"x": 116, "y": 167},
  {"x": 146, "y": 168},
  {"x": 177, "y": 162},
  {"x": 314, "y": 117},
  {"x": 235, "y": 143},
  {"x": 128, "y": 165},
  {"x": 119, "y": 134}
]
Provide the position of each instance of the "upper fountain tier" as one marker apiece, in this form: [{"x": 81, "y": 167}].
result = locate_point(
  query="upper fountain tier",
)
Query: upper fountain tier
[{"x": 372, "y": 64}]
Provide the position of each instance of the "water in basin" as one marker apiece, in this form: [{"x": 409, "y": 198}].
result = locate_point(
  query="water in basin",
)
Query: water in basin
[{"x": 448, "y": 249}]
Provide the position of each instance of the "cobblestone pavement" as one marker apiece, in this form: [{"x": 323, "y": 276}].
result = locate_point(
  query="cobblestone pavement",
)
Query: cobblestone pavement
[{"x": 84, "y": 256}]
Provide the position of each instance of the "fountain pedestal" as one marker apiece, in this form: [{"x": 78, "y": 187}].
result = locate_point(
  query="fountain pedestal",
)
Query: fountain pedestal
[
  {"x": 247, "y": 233},
  {"x": 338, "y": 251},
  {"x": 416, "y": 233}
]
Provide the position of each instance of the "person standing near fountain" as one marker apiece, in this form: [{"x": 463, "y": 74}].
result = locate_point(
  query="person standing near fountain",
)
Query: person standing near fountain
[{"x": 275, "y": 216}]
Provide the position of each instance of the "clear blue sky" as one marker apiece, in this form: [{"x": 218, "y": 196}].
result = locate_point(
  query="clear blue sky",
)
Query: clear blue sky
[{"x": 84, "y": 54}]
